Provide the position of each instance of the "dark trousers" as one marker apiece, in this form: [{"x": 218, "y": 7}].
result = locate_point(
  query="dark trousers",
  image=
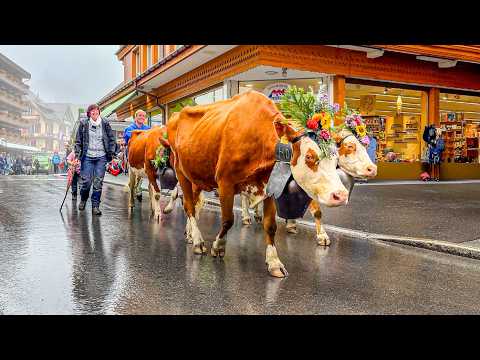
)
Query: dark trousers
[
  {"x": 55, "y": 168},
  {"x": 92, "y": 172},
  {"x": 75, "y": 183}
]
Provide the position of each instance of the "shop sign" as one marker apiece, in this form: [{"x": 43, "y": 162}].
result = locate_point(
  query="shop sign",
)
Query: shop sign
[{"x": 275, "y": 91}]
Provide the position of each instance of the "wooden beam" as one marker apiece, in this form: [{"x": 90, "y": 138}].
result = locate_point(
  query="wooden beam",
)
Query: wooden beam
[
  {"x": 434, "y": 106},
  {"x": 339, "y": 93}
]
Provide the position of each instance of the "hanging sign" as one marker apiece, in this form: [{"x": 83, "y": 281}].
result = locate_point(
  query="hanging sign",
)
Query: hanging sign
[{"x": 275, "y": 91}]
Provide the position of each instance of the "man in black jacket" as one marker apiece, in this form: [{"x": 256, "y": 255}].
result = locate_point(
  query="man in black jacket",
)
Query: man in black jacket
[{"x": 94, "y": 147}]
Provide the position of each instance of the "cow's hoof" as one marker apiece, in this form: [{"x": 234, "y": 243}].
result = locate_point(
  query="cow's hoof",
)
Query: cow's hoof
[
  {"x": 220, "y": 252},
  {"x": 278, "y": 272},
  {"x": 197, "y": 250},
  {"x": 258, "y": 219},
  {"x": 323, "y": 239},
  {"x": 247, "y": 221},
  {"x": 168, "y": 209},
  {"x": 292, "y": 229}
]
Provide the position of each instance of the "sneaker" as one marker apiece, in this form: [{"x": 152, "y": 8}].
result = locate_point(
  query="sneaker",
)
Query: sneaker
[
  {"x": 82, "y": 204},
  {"x": 96, "y": 211},
  {"x": 74, "y": 196}
]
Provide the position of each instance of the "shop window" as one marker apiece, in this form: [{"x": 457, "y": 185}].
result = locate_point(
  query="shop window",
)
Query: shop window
[
  {"x": 460, "y": 121},
  {"x": 209, "y": 97},
  {"x": 393, "y": 117},
  {"x": 156, "y": 117}
]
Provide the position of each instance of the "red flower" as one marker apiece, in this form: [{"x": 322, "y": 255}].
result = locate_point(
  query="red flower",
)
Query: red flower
[{"x": 312, "y": 124}]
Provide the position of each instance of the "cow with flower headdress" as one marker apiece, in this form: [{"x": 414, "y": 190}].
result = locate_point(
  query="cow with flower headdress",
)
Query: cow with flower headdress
[
  {"x": 350, "y": 137},
  {"x": 232, "y": 146}
]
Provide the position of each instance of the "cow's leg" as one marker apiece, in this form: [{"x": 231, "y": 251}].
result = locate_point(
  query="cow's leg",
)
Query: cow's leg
[
  {"x": 291, "y": 226},
  {"x": 322, "y": 237},
  {"x": 246, "y": 219},
  {"x": 131, "y": 186},
  {"x": 189, "y": 206},
  {"x": 173, "y": 196},
  {"x": 227, "y": 195},
  {"x": 198, "y": 201},
  {"x": 138, "y": 188},
  {"x": 275, "y": 266},
  {"x": 154, "y": 191},
  {"x": 257, "y": 215}
]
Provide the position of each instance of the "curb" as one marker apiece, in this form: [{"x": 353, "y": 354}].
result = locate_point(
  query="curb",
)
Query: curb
[{"x": 424, "y": 243}]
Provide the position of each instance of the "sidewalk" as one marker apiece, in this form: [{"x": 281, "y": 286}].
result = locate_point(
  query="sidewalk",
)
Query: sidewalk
[{"x": 414, "y": 211}]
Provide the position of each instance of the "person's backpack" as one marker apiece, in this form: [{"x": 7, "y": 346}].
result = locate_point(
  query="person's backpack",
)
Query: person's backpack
[{"x": 429, "y": 134}]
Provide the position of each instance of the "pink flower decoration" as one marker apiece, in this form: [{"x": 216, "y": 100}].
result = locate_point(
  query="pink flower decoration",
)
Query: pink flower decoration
[
  {"x": 365, "y": 140},
  {"x": 325, "y": 135}
]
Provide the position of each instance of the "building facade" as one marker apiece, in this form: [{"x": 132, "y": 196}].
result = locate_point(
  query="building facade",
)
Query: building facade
[
  {"x": 399, "y": 89},
  {"x": 13, "y": 127}
]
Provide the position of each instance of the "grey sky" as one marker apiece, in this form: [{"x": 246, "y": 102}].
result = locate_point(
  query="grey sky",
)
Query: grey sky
[{"x": 80, "y": 74}]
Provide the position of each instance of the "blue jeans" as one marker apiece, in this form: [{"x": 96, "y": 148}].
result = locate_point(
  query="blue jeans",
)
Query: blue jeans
[{"x": 92, "y": 172}]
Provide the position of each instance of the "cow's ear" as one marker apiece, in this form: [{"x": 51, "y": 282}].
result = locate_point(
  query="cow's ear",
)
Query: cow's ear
[
  {"x": 336, "y": 137},
  {"x": 164, "y": 142}
]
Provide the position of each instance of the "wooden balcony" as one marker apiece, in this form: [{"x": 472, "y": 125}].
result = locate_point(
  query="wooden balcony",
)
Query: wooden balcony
[
  {"x": 11, "y": 101},
  {"x": 12, "y": 120},
  {"x": 13, "y": 82}
]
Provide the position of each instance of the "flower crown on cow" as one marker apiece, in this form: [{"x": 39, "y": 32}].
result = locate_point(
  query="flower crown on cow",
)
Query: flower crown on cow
[
  {"x": 356, "y": 125},
  {"x": 313, "y": 114},
  {"x": 316, "y": 115}
]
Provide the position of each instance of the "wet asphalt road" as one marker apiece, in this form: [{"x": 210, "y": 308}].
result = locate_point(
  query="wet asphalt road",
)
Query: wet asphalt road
[{"x": 123, "y": 263}]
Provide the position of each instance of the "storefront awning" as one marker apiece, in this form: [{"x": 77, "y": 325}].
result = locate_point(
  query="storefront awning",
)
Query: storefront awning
[
  {"x": 114, "y": 106},
  {"x": 119, "y": 125},
  {"x": 14, "y": 146}
]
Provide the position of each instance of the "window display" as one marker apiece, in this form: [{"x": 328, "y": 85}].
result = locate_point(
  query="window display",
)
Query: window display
[
  {"x": 393, "y": 117},
  {"x": 459, "y": 120}
]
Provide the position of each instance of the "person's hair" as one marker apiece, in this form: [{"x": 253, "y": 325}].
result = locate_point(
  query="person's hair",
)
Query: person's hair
[
  {"x": 139, "y": 111},
  {"x": 92, "y": 107}
]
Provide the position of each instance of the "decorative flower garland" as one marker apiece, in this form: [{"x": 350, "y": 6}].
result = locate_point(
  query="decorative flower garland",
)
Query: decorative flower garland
[
  {"x": 161, "y": 156},
  {"x": 316, "y": 115},
  {"x": 356, "y": 125}
]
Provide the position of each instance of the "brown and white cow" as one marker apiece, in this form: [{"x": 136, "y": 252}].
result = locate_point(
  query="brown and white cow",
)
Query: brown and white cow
[
  {"x": 142, "y": 150},
  {"x": 230, "y": 145},
  {"x": 352, "y": 159}
]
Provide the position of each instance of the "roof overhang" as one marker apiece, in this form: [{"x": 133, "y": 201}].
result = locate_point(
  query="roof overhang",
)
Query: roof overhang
[
  {"x": 445, "y": 55},
  {"x": 162, "y": 73},
  {"x": 15, "y": 67}
]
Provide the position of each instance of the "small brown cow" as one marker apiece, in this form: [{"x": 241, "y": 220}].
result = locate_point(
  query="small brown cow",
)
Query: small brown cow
[{"x": 142, "y": 150}]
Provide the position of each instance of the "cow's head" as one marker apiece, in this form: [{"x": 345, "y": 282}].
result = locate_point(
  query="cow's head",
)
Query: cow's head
[
  {"x": 313, "y": 173},
  {"x": 352, "y": 155}
]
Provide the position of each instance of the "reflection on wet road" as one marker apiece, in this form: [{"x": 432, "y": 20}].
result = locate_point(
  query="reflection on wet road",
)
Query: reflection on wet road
[{"x": 124, "y": 263}]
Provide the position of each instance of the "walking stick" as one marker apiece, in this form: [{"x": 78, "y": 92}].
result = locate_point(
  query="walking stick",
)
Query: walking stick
[{"x": 70, "y": 171}]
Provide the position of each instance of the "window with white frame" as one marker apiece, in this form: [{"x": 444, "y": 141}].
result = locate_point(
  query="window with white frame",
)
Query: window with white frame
[
  {"x": 138, "y": 65},
  {"x": 161, "y": 52},
  {"x": 149, "y": 56}
]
